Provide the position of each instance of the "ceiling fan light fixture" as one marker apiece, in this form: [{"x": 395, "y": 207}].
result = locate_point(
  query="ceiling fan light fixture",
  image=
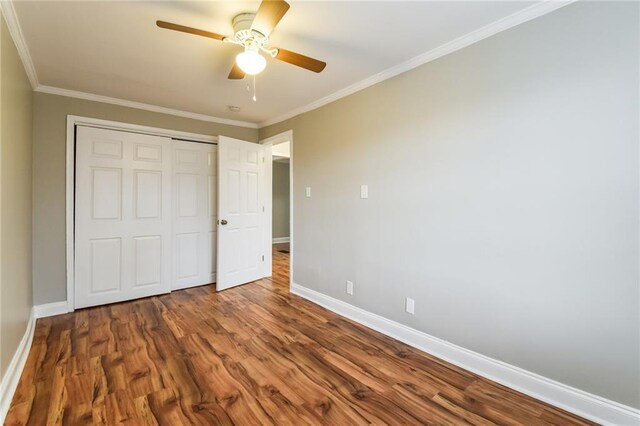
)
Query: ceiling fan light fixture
[
  {"x": 252, "y": 31},
  {"x": 251, "y": 62}
]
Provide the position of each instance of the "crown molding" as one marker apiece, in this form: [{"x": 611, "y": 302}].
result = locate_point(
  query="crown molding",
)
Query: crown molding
[
  {"x": 13, "y": 25},
  {"x": 517, "y": 18},
  {"x": 139, "y": 105},
  {"x": 536, "y": 10}
]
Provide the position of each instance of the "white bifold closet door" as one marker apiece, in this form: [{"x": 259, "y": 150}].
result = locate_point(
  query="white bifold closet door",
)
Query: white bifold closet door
[
  {"x": 194, "y": 213},
  {"x": 122, "y": 216}
]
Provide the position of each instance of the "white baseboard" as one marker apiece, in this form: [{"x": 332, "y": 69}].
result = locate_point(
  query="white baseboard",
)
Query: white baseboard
[
  {"x": 11, "y": 378},
  {"x": 582, "y": 403},
  {"x": 280, "y": 240},
  {"x": 51, "y": 309}
]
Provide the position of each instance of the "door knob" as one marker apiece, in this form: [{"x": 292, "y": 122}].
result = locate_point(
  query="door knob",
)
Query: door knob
[{"x": 223, "y": 222}]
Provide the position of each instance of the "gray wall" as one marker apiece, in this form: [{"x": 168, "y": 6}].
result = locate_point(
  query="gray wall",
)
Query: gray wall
[
  {"x": 280, "y": 217},
  {"x": 503, "y": 196},
  {"x": 49, "y": 151},
  {"x": 16, "y": 120}
]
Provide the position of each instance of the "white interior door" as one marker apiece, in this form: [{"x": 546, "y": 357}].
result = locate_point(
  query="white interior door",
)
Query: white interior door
[
  {"x": 123, "y": 216},
  {"x": 194, "y": 213},
  {"x": 241, "y": 212}
]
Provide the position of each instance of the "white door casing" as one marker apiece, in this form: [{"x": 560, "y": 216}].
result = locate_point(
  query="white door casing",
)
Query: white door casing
[
  {"x": 194, "y": 213},
  {"x": 271, "y": 144},
  {"x": 122, "y": 216},
  {"x": 241, "y": 212}
]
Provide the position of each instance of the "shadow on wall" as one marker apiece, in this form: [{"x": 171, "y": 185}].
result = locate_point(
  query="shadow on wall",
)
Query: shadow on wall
[{"x": 280, "y": 218}]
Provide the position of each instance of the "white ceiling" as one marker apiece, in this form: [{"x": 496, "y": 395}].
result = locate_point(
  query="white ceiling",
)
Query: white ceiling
[{"x": 114, "y": 48}]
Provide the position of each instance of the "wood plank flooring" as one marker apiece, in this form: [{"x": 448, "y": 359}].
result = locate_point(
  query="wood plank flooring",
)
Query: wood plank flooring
[{"x": 250, "y": 355}]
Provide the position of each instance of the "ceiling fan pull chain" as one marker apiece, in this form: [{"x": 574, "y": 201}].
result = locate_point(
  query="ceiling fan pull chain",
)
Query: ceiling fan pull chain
[{"x": 254, "y": 88}]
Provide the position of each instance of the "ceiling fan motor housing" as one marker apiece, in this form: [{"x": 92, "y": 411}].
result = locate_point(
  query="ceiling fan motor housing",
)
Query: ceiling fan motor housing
[{"x": 242, "y": 29}]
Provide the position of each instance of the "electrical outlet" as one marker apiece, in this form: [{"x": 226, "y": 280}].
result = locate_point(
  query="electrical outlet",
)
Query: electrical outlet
[
  {"x": 364, "y": 191},
  {"x": 307, "y": 191},
  {"x": 349, "y": 287},
  {"x": 410, "y": 306}
]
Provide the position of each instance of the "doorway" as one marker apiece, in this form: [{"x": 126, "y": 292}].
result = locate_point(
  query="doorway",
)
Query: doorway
[{"x": 281, "y": 204}]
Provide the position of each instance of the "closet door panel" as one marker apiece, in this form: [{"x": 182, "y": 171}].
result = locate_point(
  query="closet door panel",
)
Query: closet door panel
[
  {"x": 122, "y": 216},
  {"x": 194, "y": 213}
]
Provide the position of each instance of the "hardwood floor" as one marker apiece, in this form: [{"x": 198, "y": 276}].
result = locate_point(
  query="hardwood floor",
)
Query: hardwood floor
[{"x": 250, "y": 355}]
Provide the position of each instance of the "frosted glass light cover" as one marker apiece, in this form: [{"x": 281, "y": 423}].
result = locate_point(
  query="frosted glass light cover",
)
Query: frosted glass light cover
[{"x": 251, "y": 62}]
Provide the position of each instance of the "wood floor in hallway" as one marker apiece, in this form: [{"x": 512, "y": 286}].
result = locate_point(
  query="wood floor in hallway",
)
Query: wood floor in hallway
[{"x": 250, "y": 355}]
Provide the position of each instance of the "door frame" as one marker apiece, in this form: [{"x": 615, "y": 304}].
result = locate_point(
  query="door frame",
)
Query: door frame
[
  {"x": 72, "y": 122},
  {"x": 286, "y": 136}
]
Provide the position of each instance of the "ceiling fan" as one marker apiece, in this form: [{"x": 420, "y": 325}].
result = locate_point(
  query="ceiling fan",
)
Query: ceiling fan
[{"x": 252, "y": 32}]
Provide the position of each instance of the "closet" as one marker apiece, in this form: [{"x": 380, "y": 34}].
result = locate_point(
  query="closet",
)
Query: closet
[{"x": 145, "y": 215}]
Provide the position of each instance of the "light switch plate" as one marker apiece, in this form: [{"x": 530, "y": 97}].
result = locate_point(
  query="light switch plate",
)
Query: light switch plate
[
  {"x": 349, "y": 287},
  {"x": 410, "y": 306},
  {"x": 307, "y": 191},
  {"x": 364, "y": 191}
]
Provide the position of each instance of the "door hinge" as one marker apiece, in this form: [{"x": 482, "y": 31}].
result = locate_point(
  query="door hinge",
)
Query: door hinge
[
  {"x": 262, "y": 209},
  {"x": 263, "y": 257}
]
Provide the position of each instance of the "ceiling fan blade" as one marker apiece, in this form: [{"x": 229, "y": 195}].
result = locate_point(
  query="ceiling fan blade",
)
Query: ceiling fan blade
[
  {"x": 300, "y": 60},
  {"x": 236, "y": 73},
  {"x": 269, "y": 14},
  {"x": 176, "y": 27}
]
